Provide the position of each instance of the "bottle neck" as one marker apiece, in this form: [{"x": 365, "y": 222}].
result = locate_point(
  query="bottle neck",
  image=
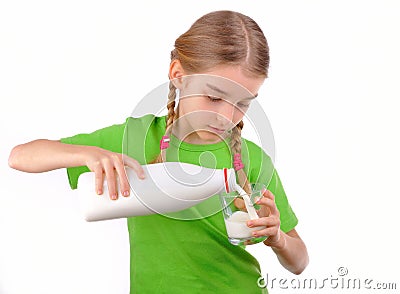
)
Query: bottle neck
[{"x": 229, "y": 180}]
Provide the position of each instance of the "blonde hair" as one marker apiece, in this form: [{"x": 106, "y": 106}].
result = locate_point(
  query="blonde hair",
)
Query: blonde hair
[{"x": 220, "y": 38}]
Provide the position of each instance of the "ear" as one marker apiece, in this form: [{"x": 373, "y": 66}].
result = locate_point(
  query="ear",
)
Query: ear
[{"x": 176, "y": 73}]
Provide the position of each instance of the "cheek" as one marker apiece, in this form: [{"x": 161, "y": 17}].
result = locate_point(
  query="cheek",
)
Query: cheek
[
  {"x": 201, "y": 109},
  {"x": 238, "y": 115},
  {"x": 186, "y": 106},
  {"x": 201, "y": 117},
  {"x": 195, "y": 114}
]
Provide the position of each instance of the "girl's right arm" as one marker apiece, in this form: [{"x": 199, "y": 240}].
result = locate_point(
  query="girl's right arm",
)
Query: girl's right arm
[{"x": 45, "y": 155}]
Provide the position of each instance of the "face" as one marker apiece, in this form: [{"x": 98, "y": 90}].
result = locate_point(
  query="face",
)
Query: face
[{"x": 211, "y": 104}]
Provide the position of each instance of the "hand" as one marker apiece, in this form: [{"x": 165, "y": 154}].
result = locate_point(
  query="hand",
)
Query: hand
[
  {"x": 111, "y": 165},
  {"x": 270, "y": 218}
]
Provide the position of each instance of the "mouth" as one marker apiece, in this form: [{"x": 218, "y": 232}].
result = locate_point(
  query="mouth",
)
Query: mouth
[{"x": 217, "y": 130}]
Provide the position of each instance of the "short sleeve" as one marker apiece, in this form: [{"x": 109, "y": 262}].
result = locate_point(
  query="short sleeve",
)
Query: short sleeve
[
  {"x": 262, "y": 170},
  {"x": 287, "y": 216},
  {"x": 109, "y": 138}
]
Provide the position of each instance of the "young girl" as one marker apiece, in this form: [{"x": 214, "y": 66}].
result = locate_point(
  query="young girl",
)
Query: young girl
[{"x": 217, "y": 67}]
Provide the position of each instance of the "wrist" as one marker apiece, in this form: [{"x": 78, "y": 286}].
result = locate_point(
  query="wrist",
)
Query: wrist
[
  {"x": 77, "y": 155},
  {"x": 279, "y": 243}
]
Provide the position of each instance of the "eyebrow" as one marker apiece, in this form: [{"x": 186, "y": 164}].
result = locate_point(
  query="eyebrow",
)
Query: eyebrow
[
  {"x": 216, "y": 89},
  {"x": 252, "y": 97}
]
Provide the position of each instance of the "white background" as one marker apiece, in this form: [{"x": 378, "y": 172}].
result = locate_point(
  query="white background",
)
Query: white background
[{"x": 69, "y": 67}]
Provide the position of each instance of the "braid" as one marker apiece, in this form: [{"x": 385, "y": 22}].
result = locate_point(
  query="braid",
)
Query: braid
[
  {"x": 236, "y": 142},
  {"x": 236, "y": 148},
  {"x": 171, "y": 117},
  {"x": 171, "y": 107}
]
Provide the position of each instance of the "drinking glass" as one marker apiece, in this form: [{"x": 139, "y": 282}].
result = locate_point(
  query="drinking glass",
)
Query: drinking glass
[{"x": 236, "y": 220}]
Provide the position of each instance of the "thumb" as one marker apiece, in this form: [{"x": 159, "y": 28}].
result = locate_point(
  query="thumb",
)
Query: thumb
[
  {"x": 239, "y": 203},
  {"x": 135, "y": 165}
]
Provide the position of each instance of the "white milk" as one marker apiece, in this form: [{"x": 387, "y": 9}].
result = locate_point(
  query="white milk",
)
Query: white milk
[
  {"x": 236, "y": 225},
  {"x": 247, "y": 202}
]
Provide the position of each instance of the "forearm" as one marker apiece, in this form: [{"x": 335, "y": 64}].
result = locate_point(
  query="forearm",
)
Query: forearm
[
  {"x": 291, "y": 252},
  {"x": 45, "y": 155}
]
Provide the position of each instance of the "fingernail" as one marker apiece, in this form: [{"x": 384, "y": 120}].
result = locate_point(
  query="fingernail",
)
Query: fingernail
[
  {"x": 126, "y": 193},
  {"x": 113, "y": 196},
  {"x": 255, "y": 234},
  {"x": 249, "y": 224},
  {"x": 99, "y": 192}
]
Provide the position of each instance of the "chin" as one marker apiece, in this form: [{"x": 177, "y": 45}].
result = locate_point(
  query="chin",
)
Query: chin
[{"x": 209, "y": 137}]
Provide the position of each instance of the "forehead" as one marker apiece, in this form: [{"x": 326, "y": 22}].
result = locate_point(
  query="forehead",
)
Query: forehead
[{"x": 217, "y": 86}]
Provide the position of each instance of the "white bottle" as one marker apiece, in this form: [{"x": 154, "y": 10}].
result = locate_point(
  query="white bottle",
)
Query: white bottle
[{"x": 168, "y": 187}]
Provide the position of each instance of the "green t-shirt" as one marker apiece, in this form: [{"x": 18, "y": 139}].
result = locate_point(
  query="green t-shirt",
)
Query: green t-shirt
[{"x": 187, "y": 251}]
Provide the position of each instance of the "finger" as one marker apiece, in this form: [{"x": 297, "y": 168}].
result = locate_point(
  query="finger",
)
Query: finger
[
  {"x": 251, "y": 242},
  {"x": 135, "y": 165},
  {"x": 270, "y": 232},
  {"x": 99, "y": 180},
  {"x": 264, "y": 221},
  {"x": 111, "y": 180},
  {"x": 123, "y": 179},
  {"x": 268, "y": 194},
  {"x": 239, "y": 203},
  {"x": 270, "y": 203}
]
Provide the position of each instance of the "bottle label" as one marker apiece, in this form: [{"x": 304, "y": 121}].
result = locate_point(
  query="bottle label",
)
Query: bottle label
[{"x": 226, "y": 180}]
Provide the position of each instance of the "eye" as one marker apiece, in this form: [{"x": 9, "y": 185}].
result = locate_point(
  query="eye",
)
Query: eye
[
  {"x": 243, "y": 105},
  {"x": 213, "y": 98}
]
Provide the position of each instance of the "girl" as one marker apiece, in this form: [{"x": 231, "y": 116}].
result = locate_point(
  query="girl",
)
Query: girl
[{"x": 217, "y": 66}]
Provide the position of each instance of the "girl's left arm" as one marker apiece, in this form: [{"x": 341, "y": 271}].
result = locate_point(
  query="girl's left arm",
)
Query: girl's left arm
[
  {"x": 288, "y": 247},
  {"x": 291, "y": 251}
]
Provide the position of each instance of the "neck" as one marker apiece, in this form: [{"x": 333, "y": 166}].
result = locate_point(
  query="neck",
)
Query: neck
[{"x": 197, "y": 137}]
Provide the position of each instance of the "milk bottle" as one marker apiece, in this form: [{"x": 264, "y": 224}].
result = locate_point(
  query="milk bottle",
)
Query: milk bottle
[{"x": 167, "y": 187}]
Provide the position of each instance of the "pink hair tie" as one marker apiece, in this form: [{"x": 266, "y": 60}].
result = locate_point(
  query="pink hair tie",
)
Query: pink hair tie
[
  {"x": 237, "y": 162},
  {"x": 164, "y": 143}
]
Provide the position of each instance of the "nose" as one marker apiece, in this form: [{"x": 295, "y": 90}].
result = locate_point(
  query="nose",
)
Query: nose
[{"x": 226, "y": 112}]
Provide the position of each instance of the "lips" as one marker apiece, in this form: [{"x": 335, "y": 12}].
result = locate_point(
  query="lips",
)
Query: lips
[{"x": 217, "y": 130}]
